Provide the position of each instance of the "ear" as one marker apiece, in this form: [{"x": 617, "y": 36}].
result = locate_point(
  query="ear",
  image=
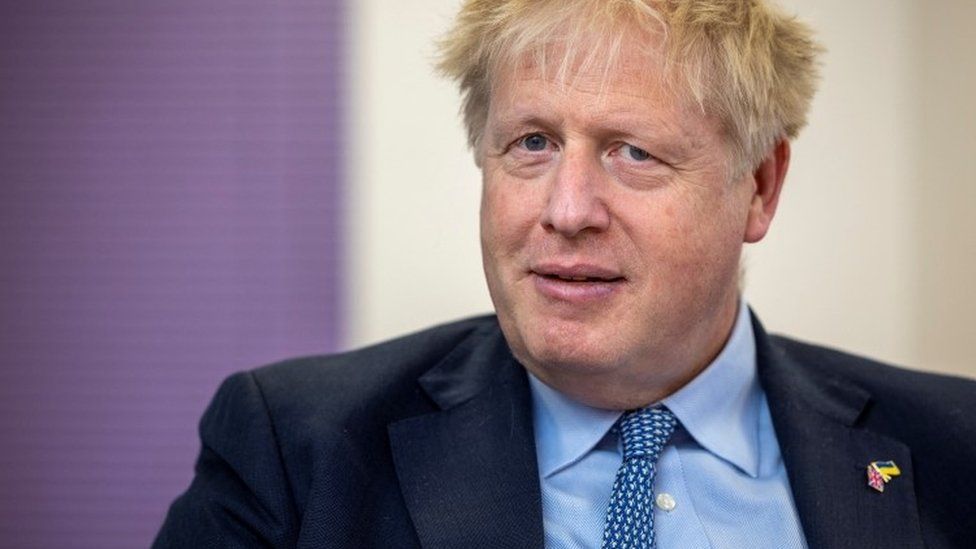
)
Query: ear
[{"x": 768, "y": 182}]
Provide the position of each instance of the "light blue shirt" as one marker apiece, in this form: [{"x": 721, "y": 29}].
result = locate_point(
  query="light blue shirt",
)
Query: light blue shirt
[{"x": 722, "y": 471}]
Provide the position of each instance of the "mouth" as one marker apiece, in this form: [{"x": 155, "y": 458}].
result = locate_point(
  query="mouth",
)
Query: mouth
[
  {"x": 576, "y": 284},
  {"x": 579, "y": 272},
  {"x": 573, "y": 278}
]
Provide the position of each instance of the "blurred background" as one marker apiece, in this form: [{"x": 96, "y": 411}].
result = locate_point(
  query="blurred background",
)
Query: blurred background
[{"x": 191, "y": 188}]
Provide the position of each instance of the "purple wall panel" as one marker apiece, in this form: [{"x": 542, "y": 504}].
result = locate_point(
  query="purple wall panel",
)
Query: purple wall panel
[{"x": 169, "y": 213}]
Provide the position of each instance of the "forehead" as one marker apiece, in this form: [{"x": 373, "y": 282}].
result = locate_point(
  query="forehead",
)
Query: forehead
[
  {"x": 595, "y": 78},
  {"x": 587, "y": 58}
]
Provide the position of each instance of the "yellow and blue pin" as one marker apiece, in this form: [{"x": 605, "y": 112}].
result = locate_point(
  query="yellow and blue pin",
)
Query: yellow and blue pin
[{"x": 880, "y": 473}]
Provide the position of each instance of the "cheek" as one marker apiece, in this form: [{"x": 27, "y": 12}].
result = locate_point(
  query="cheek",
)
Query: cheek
[
  {"x": 493, "y": 213},
  {"x": 686, "y": 235},
  {"x": 507, "y": 218}
]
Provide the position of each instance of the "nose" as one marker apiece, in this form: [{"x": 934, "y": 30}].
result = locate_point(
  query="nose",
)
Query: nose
[{"x": 575, "y": 204}]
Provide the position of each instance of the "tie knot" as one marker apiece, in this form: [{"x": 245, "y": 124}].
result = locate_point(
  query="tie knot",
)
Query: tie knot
[{"x": 645, "y": 432}]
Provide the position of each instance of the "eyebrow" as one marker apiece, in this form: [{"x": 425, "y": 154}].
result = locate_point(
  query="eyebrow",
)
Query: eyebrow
[{"x": 508, "y": 125}]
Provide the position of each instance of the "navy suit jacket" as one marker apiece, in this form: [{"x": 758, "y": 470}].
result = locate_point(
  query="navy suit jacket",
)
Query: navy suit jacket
[{"x": 427, "y": 441}]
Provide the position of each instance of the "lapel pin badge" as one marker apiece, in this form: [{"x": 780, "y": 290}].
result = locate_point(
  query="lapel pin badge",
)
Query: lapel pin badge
[{"x": 880, "y": 473}]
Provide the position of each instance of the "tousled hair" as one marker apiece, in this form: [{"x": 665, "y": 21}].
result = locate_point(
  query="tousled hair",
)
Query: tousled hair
[{"x": 743, "y": 61}]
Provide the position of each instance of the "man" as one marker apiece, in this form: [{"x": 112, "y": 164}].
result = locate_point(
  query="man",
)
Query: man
[{"x": 624, "y": 396}]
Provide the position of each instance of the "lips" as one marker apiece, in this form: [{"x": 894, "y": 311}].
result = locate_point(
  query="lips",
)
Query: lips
[
  {"x": 580, "y": 278},
  {"x": 576, "y": 283},
  {"x": 577, "y": 273}
]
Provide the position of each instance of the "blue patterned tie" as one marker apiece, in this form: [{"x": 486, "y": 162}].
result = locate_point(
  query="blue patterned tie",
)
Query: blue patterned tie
[{"x": 630, "y": 516}]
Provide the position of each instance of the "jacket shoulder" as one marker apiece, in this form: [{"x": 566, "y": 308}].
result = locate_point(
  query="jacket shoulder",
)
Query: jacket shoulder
[
  {"x": 877, "y": 375},
  {"x": 903, "y": 398},
  {"x": 380, "y": 379}
]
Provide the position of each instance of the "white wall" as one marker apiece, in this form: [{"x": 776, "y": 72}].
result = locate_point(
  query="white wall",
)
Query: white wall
[
  {"x": 945, "y": 186},
  {"x": 838, "y": 265},
  {"x": 414, "y": 254},
  {"x": 873, "y": 247}
]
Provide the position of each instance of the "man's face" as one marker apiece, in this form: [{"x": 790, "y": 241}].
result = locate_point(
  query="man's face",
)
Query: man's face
[{"x": 610, "y": 228}]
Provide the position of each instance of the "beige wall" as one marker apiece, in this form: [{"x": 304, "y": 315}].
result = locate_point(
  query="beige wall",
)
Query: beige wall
[
  {"x": 945, "y": 187},
  {"x": 873, "y": 247},
  {"x": 414, "y": 254},
  {"x": 837, "y": 266}
]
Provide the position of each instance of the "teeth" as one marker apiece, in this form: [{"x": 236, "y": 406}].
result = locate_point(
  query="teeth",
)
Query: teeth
[{"x": 573, "y": 278}]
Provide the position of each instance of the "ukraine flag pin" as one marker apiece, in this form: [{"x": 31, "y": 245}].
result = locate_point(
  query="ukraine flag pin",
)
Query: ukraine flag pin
[{"x": 880, "y": 473}]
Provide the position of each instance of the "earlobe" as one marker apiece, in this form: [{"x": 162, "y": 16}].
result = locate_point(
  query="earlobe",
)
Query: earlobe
[{"x": 768, "y": 177}]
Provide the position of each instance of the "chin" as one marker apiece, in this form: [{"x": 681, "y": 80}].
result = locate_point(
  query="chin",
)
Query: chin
[{"x": 574, "y": 349}]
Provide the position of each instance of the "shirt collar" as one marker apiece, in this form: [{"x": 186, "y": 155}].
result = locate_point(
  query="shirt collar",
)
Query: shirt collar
[
  {"x": 565, "y": 430},
  {"x": 719, "y": 408}
]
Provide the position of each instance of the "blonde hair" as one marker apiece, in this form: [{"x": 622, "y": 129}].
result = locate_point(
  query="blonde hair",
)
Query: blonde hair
[{"x": 743, "y": 61}]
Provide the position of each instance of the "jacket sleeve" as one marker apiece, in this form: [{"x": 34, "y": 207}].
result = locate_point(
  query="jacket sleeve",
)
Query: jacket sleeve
[{"x": 239, "y": 496}]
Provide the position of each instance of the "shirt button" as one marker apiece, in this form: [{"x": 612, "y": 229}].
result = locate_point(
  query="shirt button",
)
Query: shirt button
[{"x": 665, "y": 502}]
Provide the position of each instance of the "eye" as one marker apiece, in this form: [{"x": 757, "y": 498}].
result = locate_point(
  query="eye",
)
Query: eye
[
  {"x": 635, "y": 153},
  {"x": 535, "y": 142}
]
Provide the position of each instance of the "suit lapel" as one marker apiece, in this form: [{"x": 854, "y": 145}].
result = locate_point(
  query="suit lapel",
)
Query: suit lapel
[
  {"x": 468, "y": 471},
  {"x": 817, "y": 418}
]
